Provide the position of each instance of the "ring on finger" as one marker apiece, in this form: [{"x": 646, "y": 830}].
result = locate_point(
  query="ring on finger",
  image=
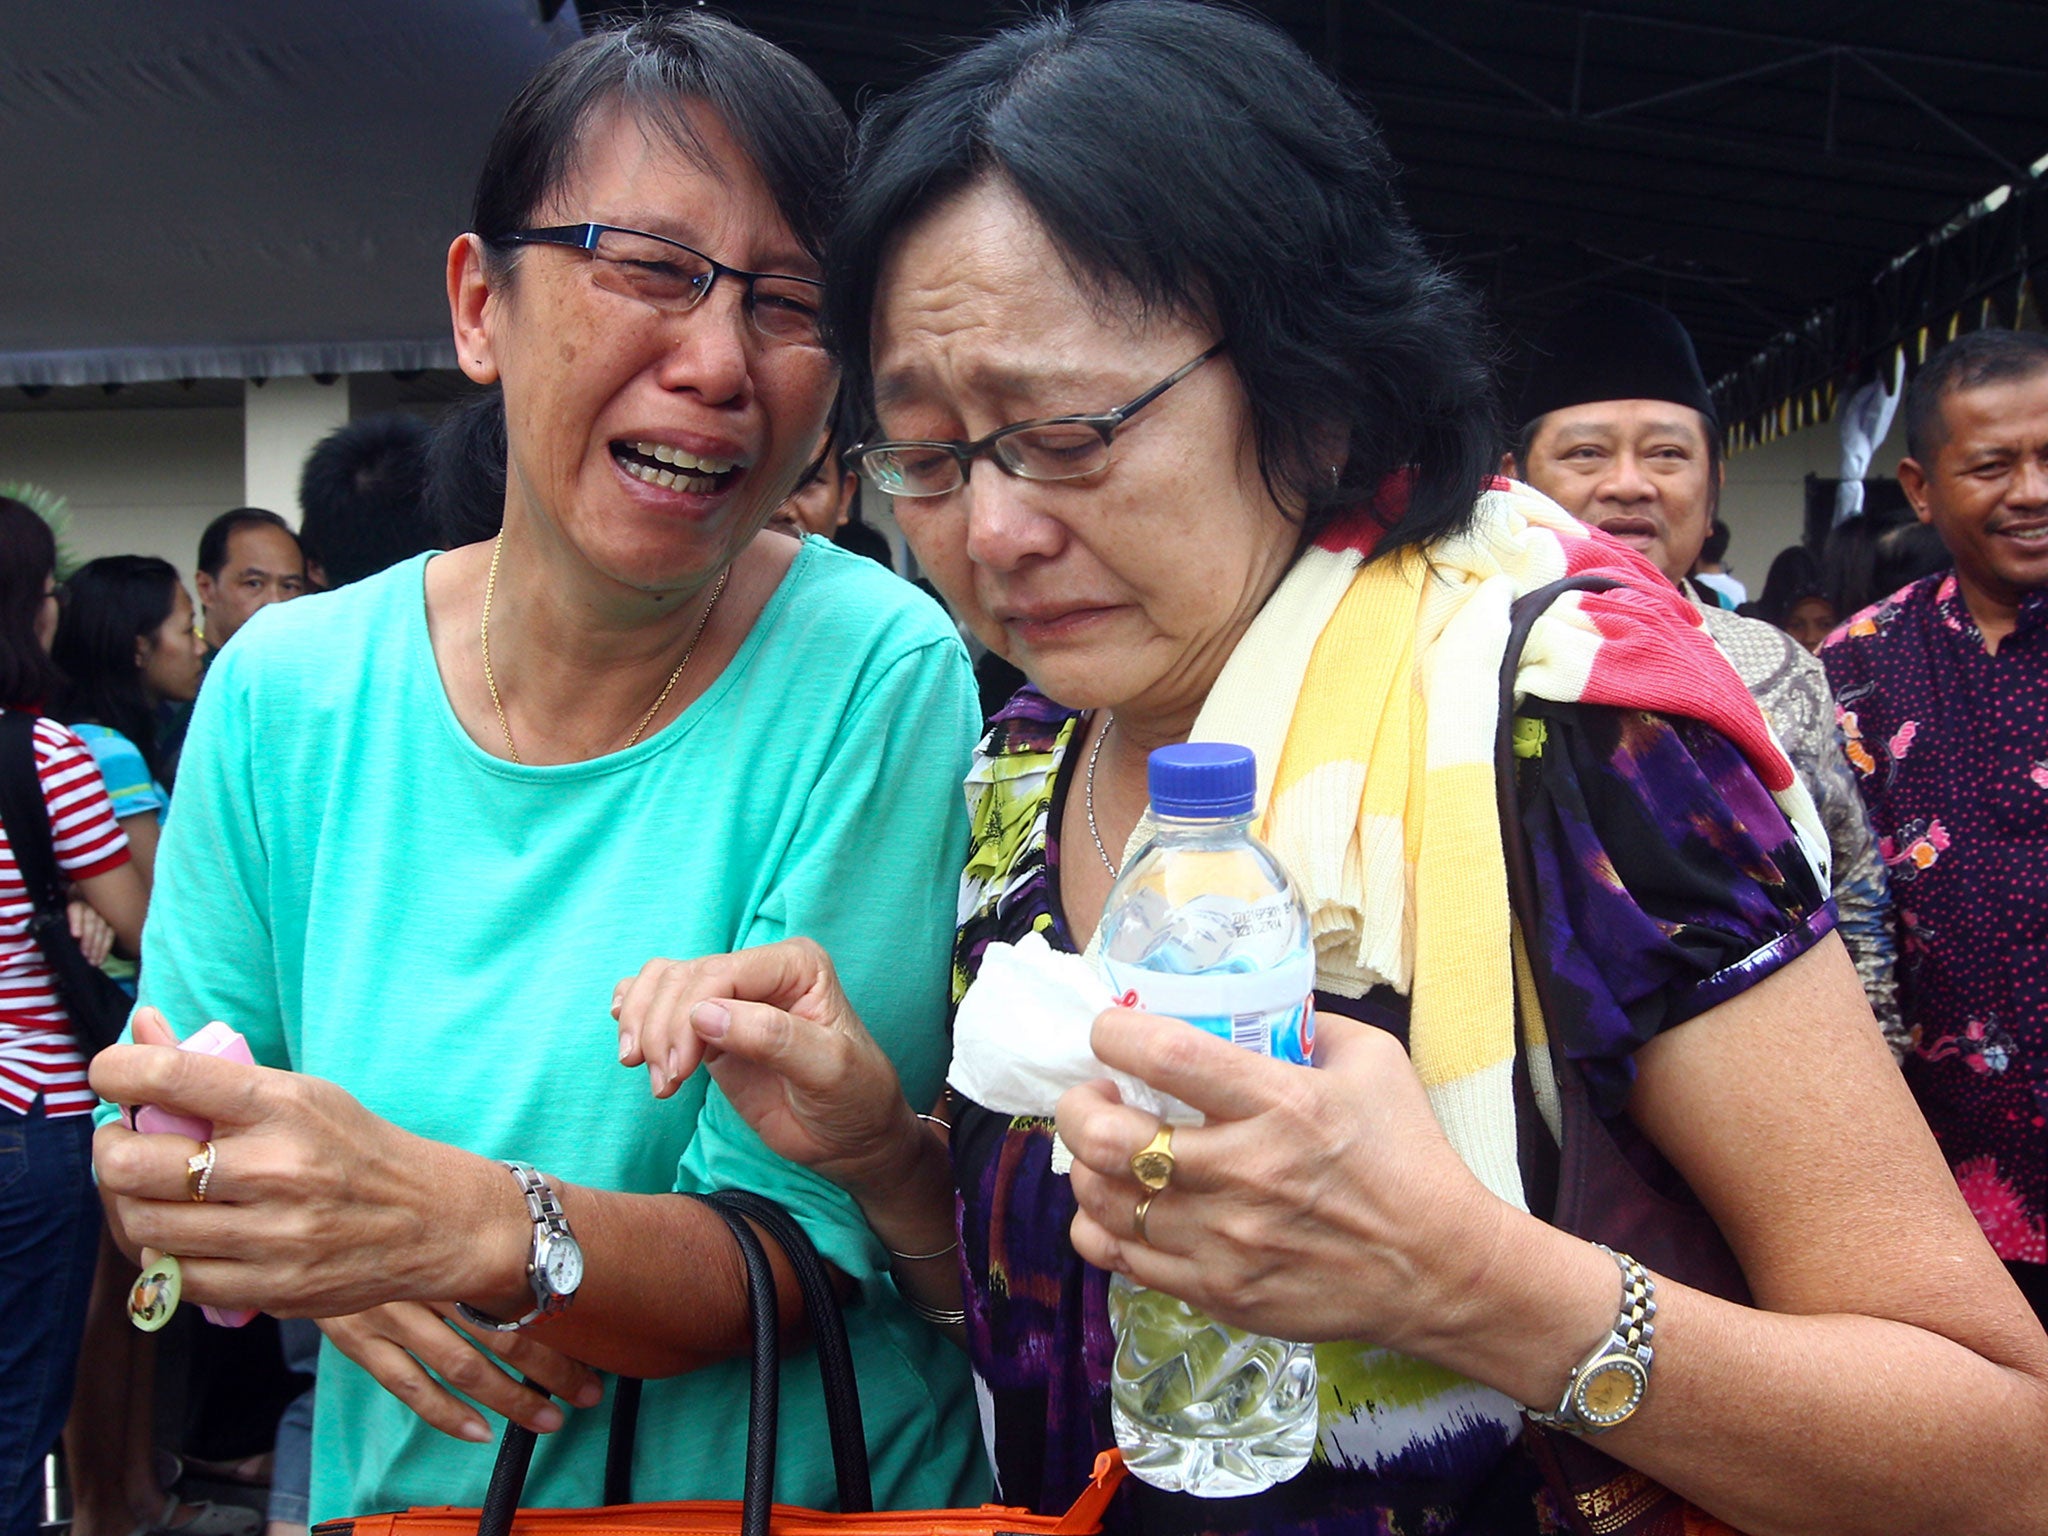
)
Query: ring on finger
[
  {"x": 199, "y": 1172},
  {"x": 1144, "y": 1210},
  {"x": 1152, "y": 1164}
]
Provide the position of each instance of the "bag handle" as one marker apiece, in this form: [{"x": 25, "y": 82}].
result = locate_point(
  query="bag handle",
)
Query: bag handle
[
  {"x": 835, "y": 1367},
  {"x": 835, "y": 1352}
]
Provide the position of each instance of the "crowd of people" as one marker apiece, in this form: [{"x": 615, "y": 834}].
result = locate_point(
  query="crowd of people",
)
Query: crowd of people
[{"x": 596, "y": 836}]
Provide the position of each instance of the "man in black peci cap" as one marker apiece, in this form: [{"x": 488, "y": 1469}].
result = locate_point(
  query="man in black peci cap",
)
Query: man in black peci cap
[{"x": 1617, "y": 426}]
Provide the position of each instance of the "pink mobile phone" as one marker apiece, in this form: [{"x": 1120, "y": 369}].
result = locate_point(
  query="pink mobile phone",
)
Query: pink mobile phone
[{"x": 214, "y": 1040}]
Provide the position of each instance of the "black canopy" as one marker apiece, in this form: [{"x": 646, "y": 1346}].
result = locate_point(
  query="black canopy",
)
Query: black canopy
[
  {"x": 225, "y": 188},
  {"x": 242, "y": 188}
]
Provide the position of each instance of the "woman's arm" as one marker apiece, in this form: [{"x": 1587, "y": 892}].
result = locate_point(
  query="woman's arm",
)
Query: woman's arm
[
  {"x": 121, "y": 896},
  {"x": 1890, "y": 1378},
  {"x": 143, "y": 831}
]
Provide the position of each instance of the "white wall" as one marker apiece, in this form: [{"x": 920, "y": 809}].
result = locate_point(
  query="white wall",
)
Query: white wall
[
  {"x": 139, "y": 482},
  {"x": 283, "y": 420},
  {"x": 1764, "y": 499}
]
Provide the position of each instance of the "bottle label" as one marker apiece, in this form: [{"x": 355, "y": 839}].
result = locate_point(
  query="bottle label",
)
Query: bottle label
[{"x": 1271, "y": 1011}]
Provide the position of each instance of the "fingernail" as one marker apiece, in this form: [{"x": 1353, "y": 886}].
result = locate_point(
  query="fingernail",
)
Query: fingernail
[
  {"x": 546, "y": 1419},
  {"x": 710, "y": 1020},
  {"x": 675, "y": 1065},
  {"x": 654, "y": 1075},
  {"x": 589, "y": 1395},
  {"x": 625, "y": 1044},
  {"x": 615, "y": 1007},
  {"x": 475, "y": 1429}
]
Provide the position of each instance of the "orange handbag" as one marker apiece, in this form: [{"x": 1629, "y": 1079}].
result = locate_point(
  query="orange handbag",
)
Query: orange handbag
[{"x": 756, "y": 1514}]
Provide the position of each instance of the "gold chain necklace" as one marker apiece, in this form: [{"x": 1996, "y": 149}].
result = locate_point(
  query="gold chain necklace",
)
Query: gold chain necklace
[{"x": 491, "y": 678}]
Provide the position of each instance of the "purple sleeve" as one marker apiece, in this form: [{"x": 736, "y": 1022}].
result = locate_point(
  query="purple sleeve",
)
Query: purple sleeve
[{"x": 1668, "y": 881}]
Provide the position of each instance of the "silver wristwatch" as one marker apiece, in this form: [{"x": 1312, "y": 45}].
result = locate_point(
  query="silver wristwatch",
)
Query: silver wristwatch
[
  {"x": 1608, "y": 1385},
  {"x": 554, "y": 1265}
]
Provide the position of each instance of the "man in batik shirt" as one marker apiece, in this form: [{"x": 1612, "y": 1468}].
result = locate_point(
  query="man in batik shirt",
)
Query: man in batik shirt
[
  {"x": 1618, "y": 428},
  {"x": 1943, "y": 693}
]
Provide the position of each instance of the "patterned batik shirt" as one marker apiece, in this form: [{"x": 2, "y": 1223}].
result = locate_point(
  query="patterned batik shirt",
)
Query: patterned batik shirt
[
  {"x": 1950, "y": 745},
  {"x": 1668, "y": 882}
]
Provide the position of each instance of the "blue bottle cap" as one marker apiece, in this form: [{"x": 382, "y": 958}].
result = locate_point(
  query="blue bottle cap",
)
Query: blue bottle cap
[{"x": 1203, "y": 780}]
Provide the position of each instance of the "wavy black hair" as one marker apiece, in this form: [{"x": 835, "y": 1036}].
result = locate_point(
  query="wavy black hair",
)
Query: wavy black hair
[
  {"x": 1193, "y": 161},
  {"x": 108, "y": 605},
  {"x": 28, "y": 558}
]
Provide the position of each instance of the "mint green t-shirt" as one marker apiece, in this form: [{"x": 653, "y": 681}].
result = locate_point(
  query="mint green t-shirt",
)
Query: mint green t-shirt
[{"x": 368, "y": 896}]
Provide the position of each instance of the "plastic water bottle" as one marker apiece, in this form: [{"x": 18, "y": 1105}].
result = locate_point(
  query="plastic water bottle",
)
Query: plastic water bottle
[{"x": 1204, "y": 925}]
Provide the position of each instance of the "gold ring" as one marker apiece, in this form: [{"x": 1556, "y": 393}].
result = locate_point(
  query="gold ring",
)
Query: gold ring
[
  {"x": 1152, "y": 1164},
  {"x": 154, "y": 1296},
  {"x": 199, "y": 1172},
  {"x": 1141, "y": 1213}
]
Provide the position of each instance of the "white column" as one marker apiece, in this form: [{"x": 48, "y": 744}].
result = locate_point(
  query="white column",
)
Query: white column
[{"x": 282, "y": 420}]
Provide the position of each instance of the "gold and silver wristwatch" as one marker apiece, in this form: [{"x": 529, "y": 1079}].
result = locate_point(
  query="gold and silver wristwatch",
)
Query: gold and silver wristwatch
[
  {"x": 1608, "y": 1385},
  {"x": 554, "y": 1265}
]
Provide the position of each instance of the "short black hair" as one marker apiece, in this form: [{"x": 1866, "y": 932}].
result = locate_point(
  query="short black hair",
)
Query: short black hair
[
  {"x": 1968, "y": 362},
  {"x": 362, "y": 497},
  {"x": 213, "y": 543},
  {"x": 779, "y": 113},
  {"x": 28, "y": 558},
  {"x": 1194, "y": 160},
  {"x": 109, "y": 604}
]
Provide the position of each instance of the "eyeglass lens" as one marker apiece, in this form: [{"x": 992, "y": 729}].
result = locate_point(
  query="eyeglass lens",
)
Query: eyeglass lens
[{"x": 669, "y": 276}]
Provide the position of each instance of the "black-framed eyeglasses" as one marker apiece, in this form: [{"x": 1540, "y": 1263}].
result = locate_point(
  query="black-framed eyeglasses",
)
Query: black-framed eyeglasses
[
  {"x": 670, "y": 275},
  {"x": 1053, "y": 448}
]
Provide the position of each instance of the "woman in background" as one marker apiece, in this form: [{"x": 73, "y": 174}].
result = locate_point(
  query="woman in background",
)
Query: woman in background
[
  {"x": 127, "y": 645},
  {"x": 49, "y": 1216}
]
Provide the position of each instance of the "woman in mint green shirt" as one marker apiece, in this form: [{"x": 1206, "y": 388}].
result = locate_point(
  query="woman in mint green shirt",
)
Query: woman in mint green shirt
[{"x": 425, "y": 823}]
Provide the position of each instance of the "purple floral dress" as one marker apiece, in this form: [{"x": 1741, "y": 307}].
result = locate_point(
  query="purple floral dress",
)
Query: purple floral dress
[
  {"x": 1950, "y": 746},
  {"x": 1669, "y": 883}
]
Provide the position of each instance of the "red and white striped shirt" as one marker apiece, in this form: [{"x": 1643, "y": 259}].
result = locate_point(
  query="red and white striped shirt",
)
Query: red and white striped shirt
[{"x": 37, "y": 1052}]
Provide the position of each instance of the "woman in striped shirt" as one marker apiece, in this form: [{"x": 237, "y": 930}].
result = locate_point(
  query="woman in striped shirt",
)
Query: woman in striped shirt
[{"x": 49, "y": 1214}]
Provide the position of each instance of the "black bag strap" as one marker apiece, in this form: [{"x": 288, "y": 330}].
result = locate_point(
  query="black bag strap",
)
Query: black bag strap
[
  {"x": 835, "y": 1366},
  {"x": 1522, "y": 903},
  {"x": 26, "y": 816},
  {"x": 835, "y": 1353}
]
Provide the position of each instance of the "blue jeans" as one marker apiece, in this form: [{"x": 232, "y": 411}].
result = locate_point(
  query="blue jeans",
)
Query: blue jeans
[
  {"x": 291, "y": 1470},
  {"x": 49, "y": 1240}
]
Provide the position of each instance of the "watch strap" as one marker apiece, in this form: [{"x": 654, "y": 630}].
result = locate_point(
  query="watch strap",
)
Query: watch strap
[
  {"x": 545, "y": 1210},
  {"x": 1628, "y": 1341}
]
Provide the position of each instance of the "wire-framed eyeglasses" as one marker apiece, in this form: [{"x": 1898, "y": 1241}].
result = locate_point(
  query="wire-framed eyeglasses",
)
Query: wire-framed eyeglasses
[
  {"x": 669, "y": 275},
  {"x": 1052, "y": 448}
]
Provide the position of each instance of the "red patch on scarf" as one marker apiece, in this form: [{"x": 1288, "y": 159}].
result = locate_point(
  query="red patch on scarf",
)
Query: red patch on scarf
[{"x": 1656, "y": 654}]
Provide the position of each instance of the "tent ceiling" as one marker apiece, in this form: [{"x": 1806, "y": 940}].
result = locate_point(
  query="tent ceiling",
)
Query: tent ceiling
[
  {"x": 1746, "y": 162},
  {"x": 223, "y": 188},
  {"x": 228, "y": 188}
]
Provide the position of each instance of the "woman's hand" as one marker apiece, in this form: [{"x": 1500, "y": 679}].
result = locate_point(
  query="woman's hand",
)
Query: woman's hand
[
  {"x": 776, "y": 1032},
  {"x": 401, "y": 1342},
  {"x": 315, "y": 1207},
  {"x": 95, "y": 935},
  {"x": 1312, "y": 1205}
]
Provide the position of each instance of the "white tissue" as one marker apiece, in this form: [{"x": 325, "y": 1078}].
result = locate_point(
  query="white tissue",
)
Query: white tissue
[{"x": 1020, "y": 1035}]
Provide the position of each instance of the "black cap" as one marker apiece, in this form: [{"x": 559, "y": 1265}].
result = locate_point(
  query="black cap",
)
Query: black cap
[{"x": 1614, "y": 348}]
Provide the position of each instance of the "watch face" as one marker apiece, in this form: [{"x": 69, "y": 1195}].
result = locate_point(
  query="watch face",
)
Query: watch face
[
  {"x": 1610, "y": 1391},
  {"x": 561, "y": 1265}
]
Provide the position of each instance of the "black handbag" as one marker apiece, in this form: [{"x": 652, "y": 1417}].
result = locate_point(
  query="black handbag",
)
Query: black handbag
[
  {"x": 1601, "y": 1193},
  {"x": 756, "y": 1514},
  {"x": 97, "y": 1008}
]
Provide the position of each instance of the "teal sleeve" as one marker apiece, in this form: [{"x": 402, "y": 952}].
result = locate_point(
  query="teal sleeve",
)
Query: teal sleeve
[
  {"x": 208, "y": 950},
  {"x": 872, "y": 879}
]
